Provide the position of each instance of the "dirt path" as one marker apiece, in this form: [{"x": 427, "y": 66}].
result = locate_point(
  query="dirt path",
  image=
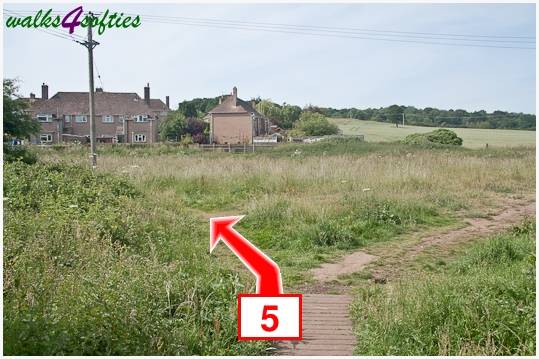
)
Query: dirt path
[
  {"x": 395, "y": 256},
  {"x": 328, "y": 329}
]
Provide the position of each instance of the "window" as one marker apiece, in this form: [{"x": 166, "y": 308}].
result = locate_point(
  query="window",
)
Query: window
[
  {"x": 44, "y": 118},
  {"x": 139, "y": 137},
  {"x": 141, "y": 118},
  {"x": 80, "y": 118},
  {"x": 45, "y": 137},
  {"x": 107, "y": 119},
  {"x": 67, "y": 118}
]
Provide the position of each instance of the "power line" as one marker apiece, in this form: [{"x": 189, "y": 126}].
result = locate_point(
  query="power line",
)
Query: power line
[
  {"x": 349, "y": 30},
  {"x": 242, "y": 27},
  {"x": 98, "y": 74},
  {"x": 312, "y": 27},
  {"x": 486, "y": 41}
]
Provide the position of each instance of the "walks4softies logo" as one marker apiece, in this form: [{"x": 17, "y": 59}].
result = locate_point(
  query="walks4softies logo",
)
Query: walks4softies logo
[{"x": 76, "y": 17}]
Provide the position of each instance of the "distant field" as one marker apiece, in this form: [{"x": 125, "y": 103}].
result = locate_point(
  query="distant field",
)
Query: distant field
[{"x": 473, "y": 138}]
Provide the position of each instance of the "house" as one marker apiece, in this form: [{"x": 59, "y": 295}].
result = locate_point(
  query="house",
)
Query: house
[
  {"x": 120, "y": 117},
  {"x": 234, "y": 121}
]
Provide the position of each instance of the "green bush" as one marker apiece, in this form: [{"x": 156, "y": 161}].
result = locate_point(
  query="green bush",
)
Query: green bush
[
  {"x": 89, "y": 270},
  {"x": 481, "y": 304},
  {"x": 315, "y": 124},
  {"x": 19, "y": 153},
  {"x": 437, "y": 137}
]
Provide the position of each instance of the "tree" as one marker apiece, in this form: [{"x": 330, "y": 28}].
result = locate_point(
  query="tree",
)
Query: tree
[
  {"x": 188, "y": 109},
  {"x": 315, "y": 124},
  {"x": 17, "y": 122},
  {"x": 172, "y": 128},
  {"x": 290, "y": 115},
  {"x": 270, "y": 110},
  {"x": 197, "y": 129},
  {"x": 195, "y": 126}
]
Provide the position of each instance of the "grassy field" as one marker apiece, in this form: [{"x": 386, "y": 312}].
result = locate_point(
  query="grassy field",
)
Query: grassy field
[
  {"x": 117, "y": 262},
  {"x": 479, "y": 304},
  {"x": 472, "y": 137}
]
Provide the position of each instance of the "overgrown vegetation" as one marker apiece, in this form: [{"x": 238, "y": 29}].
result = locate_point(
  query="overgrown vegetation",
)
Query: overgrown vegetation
[
  {"x": 18, "y": 125},
  {"x": 441, "y": 136},
  {"x": 88, "y": 270},
  {"x": 483, "y": 303},
  {"x": 82, "y": 277},
  {"x": 314, "y": 124},
  {"x": 179, "y": 127}
]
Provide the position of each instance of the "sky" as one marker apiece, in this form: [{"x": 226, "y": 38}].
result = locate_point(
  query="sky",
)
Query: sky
[{"x": 186, "y": 62}]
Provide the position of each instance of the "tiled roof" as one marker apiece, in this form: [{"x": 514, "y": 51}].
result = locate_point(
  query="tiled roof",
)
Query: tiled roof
[
  {"x": 228, "y": 106},
  {"x": 106, "y": 103}
]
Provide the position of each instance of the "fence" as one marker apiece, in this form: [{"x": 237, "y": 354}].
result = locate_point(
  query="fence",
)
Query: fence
[{"x": 237, "y": 148}]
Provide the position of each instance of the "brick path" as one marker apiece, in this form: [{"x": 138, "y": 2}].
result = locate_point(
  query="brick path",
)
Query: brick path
[{"x": 327, "y": 328}]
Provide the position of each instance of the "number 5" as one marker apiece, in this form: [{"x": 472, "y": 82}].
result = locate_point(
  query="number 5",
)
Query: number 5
[{"x": 273, "y": 317}]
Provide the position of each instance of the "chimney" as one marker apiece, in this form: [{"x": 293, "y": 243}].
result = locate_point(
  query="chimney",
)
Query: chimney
[
  {"x": 32, "y": 96},
  {"x": 44, "y": 92},
  {"x": 167, "y": 101},
  {"x": 253, "y": 104},
  {"x": 147, "y": 94},
  {"x": 220, "y": 100},
  {"x": 235, "y": 96}
]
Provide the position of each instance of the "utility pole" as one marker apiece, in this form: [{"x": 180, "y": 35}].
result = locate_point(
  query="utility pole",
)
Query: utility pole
[
  {"x": 403, "y": 119},
  {"x": 90, "y": 44}
]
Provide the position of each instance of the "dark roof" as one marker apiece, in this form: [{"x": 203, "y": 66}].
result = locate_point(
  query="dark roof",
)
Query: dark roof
[
  {"x": 106, "y": 103},
  {"x": 157, "y": 104},
  {"x": 228, "y": 106}
]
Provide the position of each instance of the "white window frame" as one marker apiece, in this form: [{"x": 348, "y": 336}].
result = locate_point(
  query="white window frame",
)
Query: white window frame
[
  {"x": 107, "y": 119},
  {"x": 141, "y": 118},
  {"x": 139, "y": 137},
  {"x": 48, "y": 137},
  {"x": 48, "y": 118},
  {"x": 67, "y": 118},
  {"x": 79, "y": 118}
]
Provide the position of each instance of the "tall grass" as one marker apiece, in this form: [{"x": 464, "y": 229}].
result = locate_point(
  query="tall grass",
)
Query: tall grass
[
  {"x": 482, "y": 304},
  {"x": 90, "y": 271},
  {"x": 322, "y": 198},
  {"x": 117, "y": 263}
]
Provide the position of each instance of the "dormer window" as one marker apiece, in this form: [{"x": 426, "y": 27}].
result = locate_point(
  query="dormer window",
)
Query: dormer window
[{"x": 141, "y": 118}]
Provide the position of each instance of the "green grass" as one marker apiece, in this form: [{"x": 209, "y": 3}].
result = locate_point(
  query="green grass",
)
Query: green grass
[
  {"x": 482, "y": 303},
  {"x": 117, "y": 262},
  {"x": 473, "y": 138},
  {"x": 88, "y": 270}
]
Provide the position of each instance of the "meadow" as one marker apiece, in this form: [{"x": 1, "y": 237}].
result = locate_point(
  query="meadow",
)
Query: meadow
[
  {"x": 117, "y": 262},
  {"x": 472, "y": 137}
]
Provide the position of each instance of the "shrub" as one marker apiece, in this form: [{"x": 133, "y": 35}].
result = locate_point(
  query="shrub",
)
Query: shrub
[
  {"x": 19, "y": 153},
  {"x": 437, "y": 137},
  {"x": 315, "y": 124}
]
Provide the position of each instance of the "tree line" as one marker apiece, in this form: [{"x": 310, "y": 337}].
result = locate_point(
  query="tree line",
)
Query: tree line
[
  {"x": 433, "y": 117},
  {"x": 286, "y": 115}
]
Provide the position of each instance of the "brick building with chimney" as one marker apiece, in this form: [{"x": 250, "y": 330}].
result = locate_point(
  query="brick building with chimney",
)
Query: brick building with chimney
[
  {"x": 120, "y": 117},
  {"x": 235, "y": 121}
]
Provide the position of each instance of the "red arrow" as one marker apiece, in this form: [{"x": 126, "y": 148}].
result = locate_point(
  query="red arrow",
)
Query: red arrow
[{"x": 266, "y": 271}]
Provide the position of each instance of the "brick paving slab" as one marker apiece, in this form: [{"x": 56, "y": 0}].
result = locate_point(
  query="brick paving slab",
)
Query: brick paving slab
[{"x": 327, "y": 328}]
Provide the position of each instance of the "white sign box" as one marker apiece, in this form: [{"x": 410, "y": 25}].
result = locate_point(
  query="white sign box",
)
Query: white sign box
[{"x": 269, "y": 317}]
